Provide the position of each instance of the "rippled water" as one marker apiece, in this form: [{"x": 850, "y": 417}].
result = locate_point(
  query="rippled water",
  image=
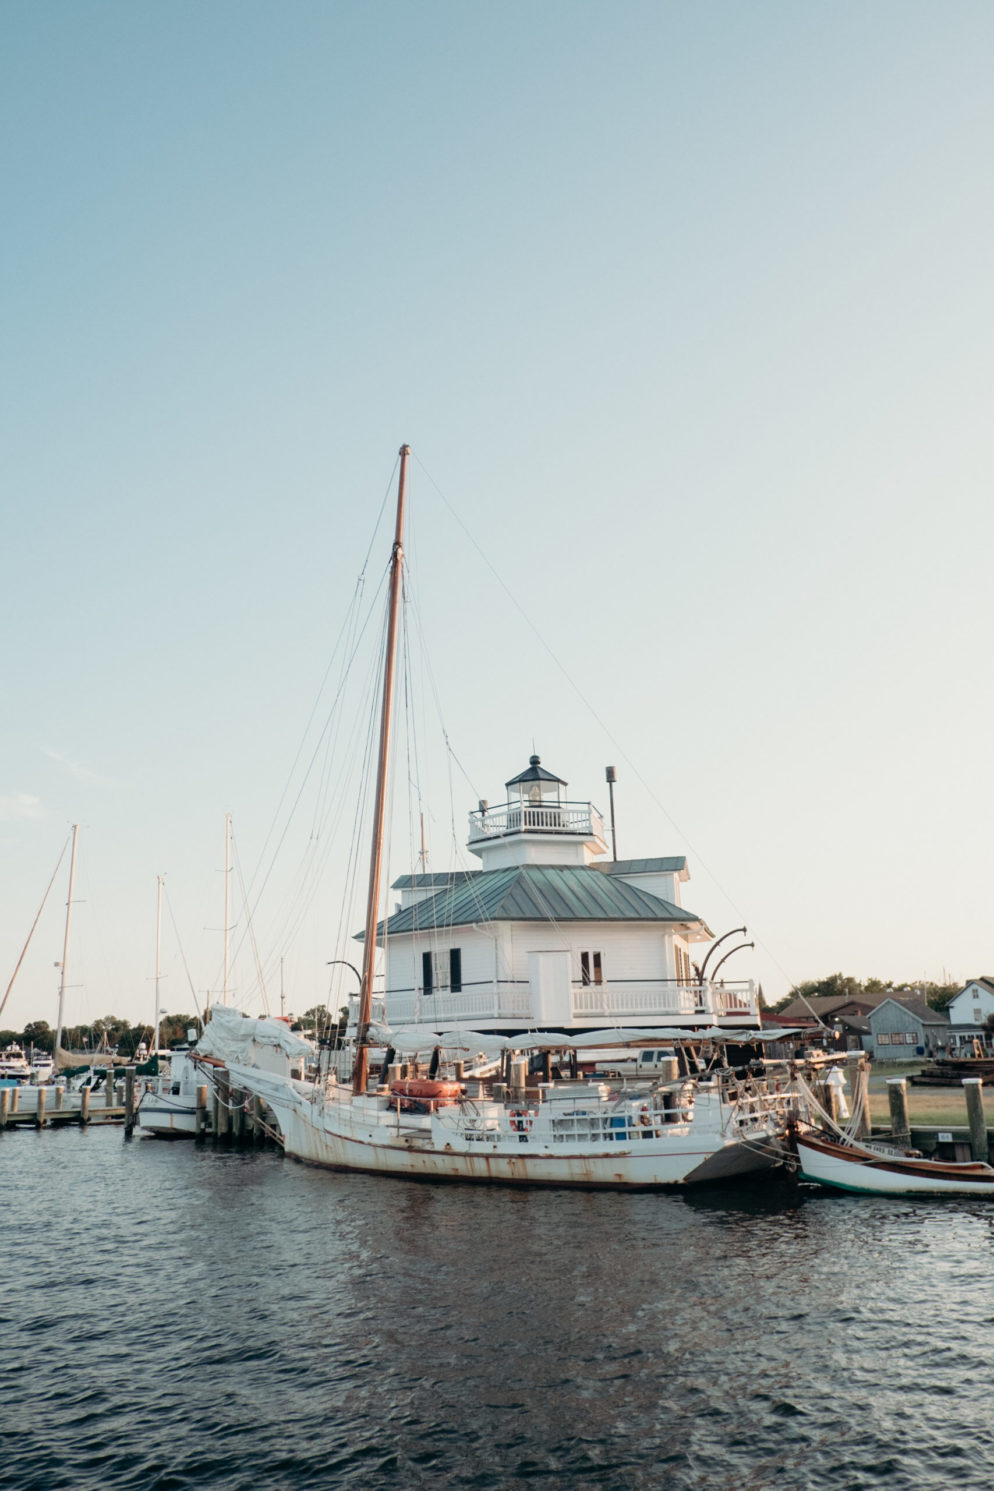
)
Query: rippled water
[{"x": 172, "y": 1318}]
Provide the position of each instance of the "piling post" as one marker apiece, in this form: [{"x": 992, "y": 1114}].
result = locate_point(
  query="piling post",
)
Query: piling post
[
  {"x": 201, "y": 1126},
  {"x": 897, "y": 1097},
  {"x": 222, "y": 1127},
  {"x": 857, "y": 1066},
  {"x": 829, "y": 1094},
  {"x": 4, "y": 1107},
  {"x": 130, "y": 1112},
  {"x": 40, "y": 1109},
  {"x": 84, "y": 1105},
  {"x": 973, "y": 1088},
  {"x": 15, "y": 1094},
  {"x": 258, "y": 1125},
  {"x": 60, "y": 1097},
  {"x": 110, "y": 1091},
  {"x": 237, "y": 1115}
]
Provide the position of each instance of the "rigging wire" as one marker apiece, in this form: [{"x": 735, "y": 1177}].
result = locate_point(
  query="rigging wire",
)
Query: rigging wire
[
  {"x": 34, "y": 924},
  {"x": 250, "y": 925},
  {"x": 592, "y": 710},
  {"x": 172, "y": 918}
]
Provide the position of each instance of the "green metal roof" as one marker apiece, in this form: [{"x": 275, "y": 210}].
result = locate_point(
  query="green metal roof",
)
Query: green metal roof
[
  {"x": 432, "y": 880},
  {"x": 552, "y": 893},
  {"x": 676, "y": 863}
]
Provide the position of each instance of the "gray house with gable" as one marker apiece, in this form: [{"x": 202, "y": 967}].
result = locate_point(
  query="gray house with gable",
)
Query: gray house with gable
[{"x": 902, "y": 1029}]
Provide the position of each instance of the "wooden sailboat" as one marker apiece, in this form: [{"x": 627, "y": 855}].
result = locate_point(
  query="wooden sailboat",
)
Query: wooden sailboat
[
  {"x": 577, "y": 1132},
  {"x": 849, "y": 1165}
]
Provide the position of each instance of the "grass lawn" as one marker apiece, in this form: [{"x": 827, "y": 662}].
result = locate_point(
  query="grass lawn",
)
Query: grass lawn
[{"x": 928, "y": 1107}]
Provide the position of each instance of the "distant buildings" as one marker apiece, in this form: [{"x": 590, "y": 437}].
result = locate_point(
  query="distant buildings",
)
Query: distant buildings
[{"x": 896, "y": 1026}]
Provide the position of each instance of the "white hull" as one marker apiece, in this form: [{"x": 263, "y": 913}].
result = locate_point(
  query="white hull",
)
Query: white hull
[
  {"x": 876, "y": 1174},
  {"x": 168, "y": 1120},
  {"x": 367, "y": 1134}
]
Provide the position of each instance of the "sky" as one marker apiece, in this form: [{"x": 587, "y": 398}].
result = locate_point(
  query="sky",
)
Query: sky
[{"x": 686, "y": 313}]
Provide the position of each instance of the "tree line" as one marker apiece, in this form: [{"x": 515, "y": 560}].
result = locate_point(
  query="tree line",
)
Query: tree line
[
  {"x": 112, "y": 1033},
  {"x": 843, "y": 986}
]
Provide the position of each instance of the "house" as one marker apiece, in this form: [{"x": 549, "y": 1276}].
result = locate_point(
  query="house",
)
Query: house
[
  {"x": 826, "y": 1008},
  {"x": 969, "y": 1011},
  {"x": 901, "y": 1029},
  {"x": 549, "y": 932}
]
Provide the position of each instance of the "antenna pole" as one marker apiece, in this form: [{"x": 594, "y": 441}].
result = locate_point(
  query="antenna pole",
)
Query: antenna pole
[{"x": 612, "y": 777}]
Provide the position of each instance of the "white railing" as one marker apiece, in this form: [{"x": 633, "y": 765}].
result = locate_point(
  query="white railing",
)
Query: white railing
[
  {"x": 652, "y": 999},
  {"x": 734, "y": 999},
  {"x": 540, "y": 818},
  {"x": 467, "y": 1006},
  {"x": 620, "y": 1000}
]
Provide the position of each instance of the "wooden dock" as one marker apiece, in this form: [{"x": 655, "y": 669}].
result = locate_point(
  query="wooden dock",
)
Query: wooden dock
[{"x": 55, "y": 1106}]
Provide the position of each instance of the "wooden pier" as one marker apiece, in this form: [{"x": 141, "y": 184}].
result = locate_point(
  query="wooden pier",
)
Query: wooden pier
[{"x": 56, "y": 1106}]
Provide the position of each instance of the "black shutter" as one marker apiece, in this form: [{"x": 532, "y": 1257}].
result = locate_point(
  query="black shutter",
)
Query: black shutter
[
  {"x": 455, "y": 969},
  {"x": 426, "y": 972}
]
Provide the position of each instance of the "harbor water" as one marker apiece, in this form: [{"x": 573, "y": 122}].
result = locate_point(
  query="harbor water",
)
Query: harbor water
[{"x": 174, "y": 1318}]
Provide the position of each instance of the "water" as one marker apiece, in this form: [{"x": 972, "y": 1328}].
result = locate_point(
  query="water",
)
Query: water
[{"x": 175, "y": 1318}]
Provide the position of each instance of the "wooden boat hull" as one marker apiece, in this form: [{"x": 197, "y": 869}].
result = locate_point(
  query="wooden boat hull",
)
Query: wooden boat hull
[{"x": 850, "y": 1168}]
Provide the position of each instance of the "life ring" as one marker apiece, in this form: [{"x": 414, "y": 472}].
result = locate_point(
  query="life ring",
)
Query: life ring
[{"x": 521, "y": 1121}]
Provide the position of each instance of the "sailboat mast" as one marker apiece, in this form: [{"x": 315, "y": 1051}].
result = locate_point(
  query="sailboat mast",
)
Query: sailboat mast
[
  {"x": 361, "y": 1068},
  {"x": 158, "y": 960},
  {"x": 65, "y": 947},
  {"x": 227, "y": 902}
]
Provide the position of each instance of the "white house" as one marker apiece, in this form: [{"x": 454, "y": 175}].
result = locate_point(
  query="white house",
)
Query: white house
[
  {"x": 549, "y": 933},
  {"x": 969, "y": 1009}
]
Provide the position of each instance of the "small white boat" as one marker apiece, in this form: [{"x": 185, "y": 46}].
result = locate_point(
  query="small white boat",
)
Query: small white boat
[
  {"x": 14, "y": 1066},
  {"x": 882, "y": 1171},
  {"x": 168, "y": 1108}
]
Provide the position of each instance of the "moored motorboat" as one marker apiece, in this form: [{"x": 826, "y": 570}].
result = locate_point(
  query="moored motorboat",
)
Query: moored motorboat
[
  {"x": 14, "y": 1065},
  {"x": 882, "y": 1170}
]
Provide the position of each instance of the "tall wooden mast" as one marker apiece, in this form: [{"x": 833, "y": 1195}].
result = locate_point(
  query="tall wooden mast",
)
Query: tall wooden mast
[
  {"x": 361, "y": 1069},
  {"x": 64, "y": 965}
]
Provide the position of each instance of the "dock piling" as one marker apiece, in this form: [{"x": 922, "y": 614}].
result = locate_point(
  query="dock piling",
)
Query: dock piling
[
  {"x": 973, "y": 1088},
  {"x": 897, "y": 1097},
  {"x": 130, "y": 1111}
]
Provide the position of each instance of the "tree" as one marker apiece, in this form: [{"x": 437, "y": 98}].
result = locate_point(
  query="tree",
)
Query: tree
[
  {"x": 39, "y": 1033},
  {"x": 843, "y": 986}
]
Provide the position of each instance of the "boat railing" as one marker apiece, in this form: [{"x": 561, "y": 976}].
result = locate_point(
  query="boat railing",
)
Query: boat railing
[{"x": 580, "y": 818}]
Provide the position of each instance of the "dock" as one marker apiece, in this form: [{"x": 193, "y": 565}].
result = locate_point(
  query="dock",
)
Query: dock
[{"x": 52, "y": 1106}]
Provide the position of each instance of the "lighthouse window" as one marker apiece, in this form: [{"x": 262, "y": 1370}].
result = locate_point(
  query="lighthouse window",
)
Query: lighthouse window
[
  {"x": 591, "y": 971},
  {"x": 442, "y": 971}
]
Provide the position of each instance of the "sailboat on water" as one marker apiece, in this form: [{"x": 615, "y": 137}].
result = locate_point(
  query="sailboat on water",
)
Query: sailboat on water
[{"x": 696, "y": 1121}]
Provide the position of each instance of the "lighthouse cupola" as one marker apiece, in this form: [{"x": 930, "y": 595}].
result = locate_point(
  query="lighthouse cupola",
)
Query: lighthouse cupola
[{"x": 537, "y": 824}]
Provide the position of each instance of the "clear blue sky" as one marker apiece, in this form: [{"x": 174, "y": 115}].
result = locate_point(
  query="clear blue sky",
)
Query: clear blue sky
[{"x": 686, "y": 310}]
